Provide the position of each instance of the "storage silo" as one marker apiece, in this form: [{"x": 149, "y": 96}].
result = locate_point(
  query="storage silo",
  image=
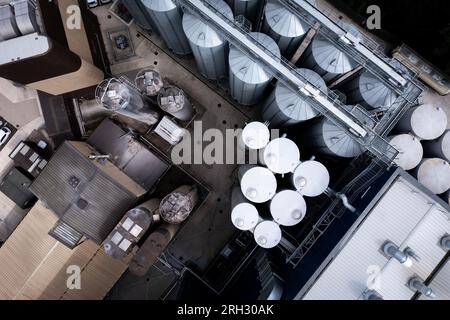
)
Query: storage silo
[
  {"x": 139, "y": 13},
  {"x": 267, "y": 234},
  {"x": 177, "y": 206},
  {"x": 327, "y": 138},
  {"x": 255, "y": 136},
  {"x": 281, "y": 156},
  {"x": 288, "y": 208},
  {"x": 285, "y": 107},
  {"x": 258, "y": 184},
  {"x": 250, "y": 9},
  {"x": 369, "y": 91},
  {"x": 284, "y": 26},
  {"x": 311, "y": 178},
  {"x": 410, "y": 151},
  {"x": 172, "y": 100},
  {"x": 149, "y": 82},
  {"x": 209, "y": 47},
  {"x": 8, "y": 25},
  {"x": 244, "y": 215},
  {"x": 427, "y": 122},
  {"x": 438, "y": 148},
  {"x": 434, "y": 173},
  {"x": 166, "y": 17},
  {"x": 248, "y": 78}
]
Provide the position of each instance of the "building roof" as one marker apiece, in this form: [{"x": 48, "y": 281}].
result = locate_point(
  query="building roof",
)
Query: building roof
[{"x": 89, "y": 196}]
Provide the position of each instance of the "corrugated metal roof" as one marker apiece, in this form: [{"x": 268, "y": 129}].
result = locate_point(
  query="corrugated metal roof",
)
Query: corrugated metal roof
[{"x": 441, "y": 283}]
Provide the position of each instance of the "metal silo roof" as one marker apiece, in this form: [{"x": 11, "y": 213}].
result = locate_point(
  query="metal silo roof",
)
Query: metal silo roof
[
  {"x": 247, "y": 70},
  {"x": 374, "y": 92},
  {"x": 159, "y": 5},
  {"x": 339, "y": 141},
  {"x": 284, "y": 22}
]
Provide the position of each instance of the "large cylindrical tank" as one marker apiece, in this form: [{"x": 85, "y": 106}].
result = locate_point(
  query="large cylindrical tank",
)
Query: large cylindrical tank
[
  {"x": 427, "y": 122},
  {"x": 410, "y": 151},
  {"x": 139, "y": 13},
  {"x": 166, "y": 16},
  {"x": 434, "y": 173},
  {"x": 285, "y": 107},
  {"x": 149, "y": 82},
  {"x": 327, "y": 138},
  {"x": 311, "y": 178},
  {"x": 8, "y": 25},
  {"x": 177, "y": 206},
  {"x": 288, "y": 208},
  {"x": 255, "y": 136},
  {"x": 267, "y": 234},
  {"x": 258, "y": 184},
  {"x": 249, "y": 79},
  {"x": 244, "y": 215},
  {"x": 209, "y": 47},
  {"x": 250, "y": 9},
  {"x": 438, "y": 148},
  {"x": 281, "y": 156},
  {"x": 284, "y": 26},
  {"x": 172, "y": 100},
  {"x": 369, "y": 91}
]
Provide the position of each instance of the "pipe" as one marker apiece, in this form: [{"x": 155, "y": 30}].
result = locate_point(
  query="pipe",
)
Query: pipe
[{"x": 416, "y": 284}]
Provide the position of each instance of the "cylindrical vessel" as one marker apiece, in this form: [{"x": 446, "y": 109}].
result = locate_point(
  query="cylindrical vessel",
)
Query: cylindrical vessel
[
  {"x": 177, "y": 206},
  {"x": 166, "y": 17},
  {"x": 427, "y": 122},
  {"x": 173, "y": 101},
  {"x": 311, "y": 178},
  {"x": 439, "y": 148},
  {"x": 149, "y": 82},
  {"x": 410, "y": 151},
  {"x": 369, "y": 91},
  {"x": 327, "y": 138},
  {"x": 281, "y": 156},
  {"x": 249, "y": 79},
  {"x": 284, "y": 26},
  {"x": 258, "y": 184},
  {"x": 137, "y": 10},
  {"x": 244, "y": 215},
  {"x": 209, "y": 47},
  {"x": 267, "y": 234},
  {"x": 288, "y": 208},
  {"x": 255, "y": 136},
  {"x": 285, "y": 107},
  {"x": 434, "y": 174},
  {"x": 250, "y": 9}
]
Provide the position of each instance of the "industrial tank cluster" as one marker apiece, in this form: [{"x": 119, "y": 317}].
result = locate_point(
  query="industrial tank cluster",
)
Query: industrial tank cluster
[{"x": 259, "y": 204}]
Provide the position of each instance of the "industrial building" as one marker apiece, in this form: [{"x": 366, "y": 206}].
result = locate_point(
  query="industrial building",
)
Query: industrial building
[{"x": 314, "y": 163}]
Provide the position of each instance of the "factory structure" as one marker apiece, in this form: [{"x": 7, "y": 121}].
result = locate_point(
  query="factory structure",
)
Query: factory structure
[{"x": 350, "y": 200}]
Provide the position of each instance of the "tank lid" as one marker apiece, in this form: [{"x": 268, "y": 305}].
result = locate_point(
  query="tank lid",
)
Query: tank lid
[
  {"x": 428, "y": 121},
  {"x": 410, "y": 151},
  {"x": 245, "y": 216},
  {"x": 259, "y": 185},
  {"x": 311, "y": 178},
  {"x": 435, "y": 175},
  {"x": 256, "y": 135},
  {"x": 267, "y": 234},
  {"x": 288, "y": 208},
  {"x": 281, "y": 156},
  {"x": 159, "y": 5},
  {"x": 284, "y": 22},
  {"x": 375, "y": 92},
  {"x": 330, "y": 58},
  {"x": 339, "y": 141}
]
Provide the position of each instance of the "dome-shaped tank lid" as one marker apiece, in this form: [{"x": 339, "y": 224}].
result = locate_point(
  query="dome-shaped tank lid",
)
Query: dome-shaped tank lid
[
  {"x": 311, "y": 178},
  {"x": 171, "y": 99},
  {"x": 284, "y": 22},
  {"x": 159, "y": 5},
  {"x": 291, "y": 104},
  {"x": 435, "y": 175},
  {"x": 248, "y": 70},
  {"x": 245, "y": 216},
  {"x": 259, "y": 185},
  {"x": 200, "y": 33},
  {"x": 428, "y": 122},
  {"x": 410, "y": 151},
  {"x": 256, "y": 135},
  {"x": 375, "y": 92},
  {"x": 281, "y": 155},
  {"x": 288, "y": 208},
  {"x": 267, "y": 234},
  {"x": 339, "y": 141}
]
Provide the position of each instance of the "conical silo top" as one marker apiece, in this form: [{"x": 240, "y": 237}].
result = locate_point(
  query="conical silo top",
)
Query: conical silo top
[
  {"x": 284, "y": 22},
  {"x": 375, "y": 92},
  {"x": 159, "y": 5},
  {"x": 340, "y": 142},
  {"x": 199, "y": 32},
  {"x": 248, "y": 70}
]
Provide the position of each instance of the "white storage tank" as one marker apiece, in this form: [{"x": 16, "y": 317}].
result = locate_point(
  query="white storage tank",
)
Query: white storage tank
[
  {"x": 258, "y": 184},
  {"x": 410, "y": 151},
  {"x": 209, "y": 47},
  {"x": 288, "y": 208},
  {"x": 249, "y": 79},
  {"x": 427, "y": 122},
  {"x": 439, "y": 148},
  {"x": 176, "y": 207},
  {"x": 284, "y": 26},
  {"x": 149, "y": 82},
  {"x": 172, "y": 100},
  {"x": 267, "y": 234},
  {"x": 244, "y": 215},
  {"x": 285, "y": 107},
  {"x": 311, "y": 178},
  {"x": 255, "y": 136},
  {"x": 434, "y": 173},
  {"x": 281, "y": 156}
]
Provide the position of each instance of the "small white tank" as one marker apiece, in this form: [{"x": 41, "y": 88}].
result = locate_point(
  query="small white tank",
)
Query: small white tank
[
  {"x": 311, "y": 178},
  {"x": 255, "y": 136},
  {"x": 267, "y": 234},
  {"x": 410, "y": 151},
  {"x": 258, "y": 184},
  {"x": 244, "y": 215},
  {"x": 288, "y": 208},
  {"x": 427, "y": 122},
  {"x": 438, "y": 148},
  {"x": 281, "y": 156},
  {"x": 434, "y": 174}
]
